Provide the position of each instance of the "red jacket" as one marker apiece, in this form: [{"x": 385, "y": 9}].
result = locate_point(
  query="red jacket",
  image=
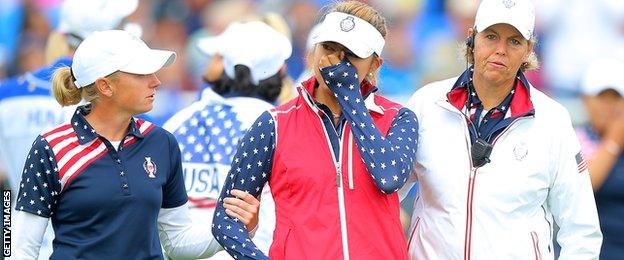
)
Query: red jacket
[{"x": 316, "y": 213}]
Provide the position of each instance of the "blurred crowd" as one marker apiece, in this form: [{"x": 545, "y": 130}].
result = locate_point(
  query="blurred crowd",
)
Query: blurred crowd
[
  {"x": 422, "y": 45},
  {"x": 424, "y": 36}
]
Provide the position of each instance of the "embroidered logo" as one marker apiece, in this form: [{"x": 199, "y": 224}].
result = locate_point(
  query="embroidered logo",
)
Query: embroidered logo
[
  {"x": 150, "y": 167},
  {"x": 347, "y": 24},
  {"x": 520, "y": 151},
  {"x": 509, "y": 3}
]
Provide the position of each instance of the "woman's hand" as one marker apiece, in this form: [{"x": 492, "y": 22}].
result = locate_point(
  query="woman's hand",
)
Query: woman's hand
[
  {"x": 243, "y": 206},
  {"x": 331, "y": 59}
]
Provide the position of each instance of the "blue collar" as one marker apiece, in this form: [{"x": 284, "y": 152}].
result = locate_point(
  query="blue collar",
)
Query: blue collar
[{"x": 85, "y": 131}]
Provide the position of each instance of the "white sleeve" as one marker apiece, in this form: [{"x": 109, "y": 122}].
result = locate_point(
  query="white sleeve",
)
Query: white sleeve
[
  {"x": 263, "y": 236},
  {"x": 28, "y": 230},
  {"x": 412, "y": 104},
  {"x": 183, "y": 239},
  {"x": 571, "y": 200}
]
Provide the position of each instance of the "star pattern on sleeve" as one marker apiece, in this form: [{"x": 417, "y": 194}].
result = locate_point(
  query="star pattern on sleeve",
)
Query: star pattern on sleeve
[
  {"x": 40, "y": 185},
  {"x": 251, "y": 169},
  {"x": 389, "y": 159}
]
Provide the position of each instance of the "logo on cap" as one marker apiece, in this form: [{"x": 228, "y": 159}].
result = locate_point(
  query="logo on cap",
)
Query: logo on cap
[
  {"x": 347, "y": 24},
  {"x": 149, "y": 167},
  {"x": 509, "y": 3}
]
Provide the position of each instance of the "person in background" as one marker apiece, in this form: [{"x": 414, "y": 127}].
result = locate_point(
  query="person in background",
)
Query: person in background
[
  {"x": 26, "y": 105},
  {"x": 334, "y": 156},
  {"x": 110, "y": 183},
  {"x": 246, "y": 75},
  {"x": 498, "y": 162},
  {"x": 602, "y": 140}
]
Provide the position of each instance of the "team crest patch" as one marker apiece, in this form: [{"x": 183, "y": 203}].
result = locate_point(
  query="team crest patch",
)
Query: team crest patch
[
  {"x": 509, "y": 3},
  {"x": 347, "y": 24},
  {"x": 520, "y": 151},
  {"x": 149, "y": 167}
]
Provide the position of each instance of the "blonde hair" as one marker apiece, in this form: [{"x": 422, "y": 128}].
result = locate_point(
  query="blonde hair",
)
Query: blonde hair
[
  {"x": 532, "y": 63},
  {"x": 56, "y": 47},
  {"x": 67, "y": 93},
  {"x": 366, "y": 13}
]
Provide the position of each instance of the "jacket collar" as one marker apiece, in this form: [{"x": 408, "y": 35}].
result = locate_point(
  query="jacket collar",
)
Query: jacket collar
[
  {"x": 306, "y": 91},
  {"x": 86, "y": 133},
  {"x": 521, "y": 104}
]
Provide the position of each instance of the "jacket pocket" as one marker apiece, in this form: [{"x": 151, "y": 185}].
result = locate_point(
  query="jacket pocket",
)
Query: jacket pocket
[{"x": 535, "y": 240}]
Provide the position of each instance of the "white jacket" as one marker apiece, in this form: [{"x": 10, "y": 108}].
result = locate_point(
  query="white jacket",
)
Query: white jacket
[{"x": 505, "y": 209}]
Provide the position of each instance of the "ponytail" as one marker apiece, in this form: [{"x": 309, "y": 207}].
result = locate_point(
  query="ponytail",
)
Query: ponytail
[
  {"x": 267, "y": 89},
  {"x": 65, "y": 90},
  {"x": 241, "y": 83}
]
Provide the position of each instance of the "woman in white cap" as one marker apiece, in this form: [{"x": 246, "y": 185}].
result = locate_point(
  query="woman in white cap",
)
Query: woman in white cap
[
  {"x": 249, "y": 59},
  {"x": 334, "y": 156},
  {"x": 25, "y": 101},
  {"x": 111, "y": 184},
  {"x": 602, "y": 140},
  {"x": 498, "y": 162}
]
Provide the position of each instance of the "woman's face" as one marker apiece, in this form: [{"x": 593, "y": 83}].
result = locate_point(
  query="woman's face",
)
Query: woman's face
[
  {"x": 362, "y": 65},
  {"x": 499, "y": 52},
  {"x": 602, "y": 109},
  {"x": 134, "y": 93}
]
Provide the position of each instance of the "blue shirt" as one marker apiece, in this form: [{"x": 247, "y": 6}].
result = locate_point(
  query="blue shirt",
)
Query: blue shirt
[
  {"x": 103, "y": 202},
  {"x": 610, "y": 205}
]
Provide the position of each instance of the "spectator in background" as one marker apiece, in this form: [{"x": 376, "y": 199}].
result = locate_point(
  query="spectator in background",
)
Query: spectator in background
[
  {"x": 246, "y": 75},
  {"x": 26, "y": 106},
  {"x": 602, "y": 140},
  {"x": 301, "y": 16},
  {"x": 566, "y": 53}
]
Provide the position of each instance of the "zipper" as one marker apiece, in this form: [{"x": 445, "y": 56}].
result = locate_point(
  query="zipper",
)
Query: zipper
[
  {"x": 341, "y": 199},
  {"x": 473, "y": 173},
  {"x": 350, "y": 160},
  {"x": 471, "y": 185},
  {"x": 535, "y": 240},
  {"x": 340, "y": 189}
]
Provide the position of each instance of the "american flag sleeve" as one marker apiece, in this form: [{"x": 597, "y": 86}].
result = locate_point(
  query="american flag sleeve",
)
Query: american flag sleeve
[
  {"x": 40, "y": 185},
  {"x": 388, "y": 159},
  {"x": 251, "y": 168}
]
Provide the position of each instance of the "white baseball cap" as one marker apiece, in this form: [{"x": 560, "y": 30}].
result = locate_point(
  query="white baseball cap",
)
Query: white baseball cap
[
  {"x": 83, "y": 17},
  {"x": 105, "y": 52},
  {"x": 603, "y": 74},
  {"x": 357, "y": 35},
  {"x": 253, "y": 44},
  {"x": 517, "y": 13}
]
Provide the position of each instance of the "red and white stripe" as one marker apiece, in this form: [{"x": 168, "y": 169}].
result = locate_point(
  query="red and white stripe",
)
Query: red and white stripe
[
  {"x": 582, "y": 166},
  {"x": 203, "y": 203},
  {"x": 71, "y": 156},
  {"x": 144, "y": 128}
]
